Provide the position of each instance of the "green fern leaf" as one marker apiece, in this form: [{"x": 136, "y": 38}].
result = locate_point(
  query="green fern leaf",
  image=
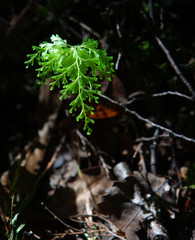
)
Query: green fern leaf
[{"x": 69, "y": 65}]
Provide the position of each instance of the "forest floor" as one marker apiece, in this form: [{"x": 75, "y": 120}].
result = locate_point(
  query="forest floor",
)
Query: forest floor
[{"x": 67, "y": 185}]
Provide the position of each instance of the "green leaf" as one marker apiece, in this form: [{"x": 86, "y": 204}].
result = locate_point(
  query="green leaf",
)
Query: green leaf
[
  {"x": 20, "y": 228},
  {"x": 11, "y": 235},
  {"x": 69, "y": 66},
  {"x": 14, "y": 219}
]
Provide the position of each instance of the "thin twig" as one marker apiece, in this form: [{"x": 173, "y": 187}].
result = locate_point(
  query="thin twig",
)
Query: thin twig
[
  {"x": 118, "y": 60},
  {"x": 172, "y": 93},
  {"x": 148, "y": 139},
  {"x": 153, "y": 152},
  {"x": 17, "y": 18},
  {"x": 86, "y": 141},
  {"x": 151, "y": 12},
  {"x": 105, "y": 228},
  {"x": 84, "y": 26},
  {"x": 125, "y": 109},
  {"x": 159, "y": 126},
  {"x": 56, "y": 217},
  {"x": 101, "y": 217},
  {"x": 118, "y": 30},
  {"x": 71, "y": 29},
  {"x": 174, "y": 66},
  {"x": 132, "y": 219},
  {"x": 51, "y": 162},
  {"x": 161, "y": 19},
  {"x": 168, "y": 55},
  {"x": 6, "y": 224},
  {"x": 142, "y": 161},
  {"x": 178, "y": 94}
]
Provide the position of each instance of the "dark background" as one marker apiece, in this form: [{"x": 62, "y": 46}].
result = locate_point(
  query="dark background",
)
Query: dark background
[{"x": 142, "y": 67}]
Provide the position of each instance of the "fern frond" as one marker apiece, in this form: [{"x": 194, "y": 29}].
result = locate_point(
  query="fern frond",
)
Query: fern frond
[{"x": 70, "y": 66}]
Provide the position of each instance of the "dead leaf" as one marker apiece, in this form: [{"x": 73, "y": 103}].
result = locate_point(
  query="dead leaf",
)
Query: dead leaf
[{"x": 136, "y": 200}]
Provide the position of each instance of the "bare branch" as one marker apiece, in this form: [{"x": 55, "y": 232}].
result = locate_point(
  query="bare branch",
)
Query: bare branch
[
  {"x": 118, "y": 60},
  {"x": 148, "y": 139},
  {"x": 174, "y": 66},
  {"x": 59, "y": 219},
  {"x": 84, "y": 26},
  {"x": 172, "y": 93},
  {"x": 118, "y": 30},
  {"x": 168, "y": 55},
  {"x": 159, "y": 126},
  {"x": 151, "y": 12},
  {"x": 153, "y": 152},
  {"x": 125, "y": 109},
  {"x": 17, "y": 18}
]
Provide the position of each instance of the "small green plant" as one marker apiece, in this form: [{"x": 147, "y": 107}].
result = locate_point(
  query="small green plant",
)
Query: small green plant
[
  {"x": 77, "y": 68},
  {"x": 92, "y": 234},
  {"x": 15, "y": 228}
]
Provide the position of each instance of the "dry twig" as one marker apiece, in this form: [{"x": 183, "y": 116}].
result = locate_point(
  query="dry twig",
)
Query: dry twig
[
  {"x": 168, "y": 55},
  {"x": 172, "y": 93},
  {"x": 126, "y": 110}
]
